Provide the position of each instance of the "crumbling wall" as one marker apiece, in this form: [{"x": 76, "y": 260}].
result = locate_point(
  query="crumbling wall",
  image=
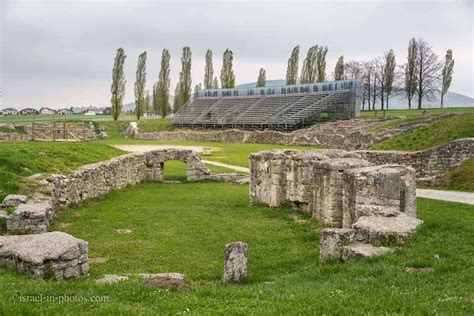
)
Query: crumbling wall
[{"x": 335, "y": 186}]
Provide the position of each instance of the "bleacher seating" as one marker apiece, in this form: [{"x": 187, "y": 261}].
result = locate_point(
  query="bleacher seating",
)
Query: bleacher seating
[{"x": 280, "y": 111}]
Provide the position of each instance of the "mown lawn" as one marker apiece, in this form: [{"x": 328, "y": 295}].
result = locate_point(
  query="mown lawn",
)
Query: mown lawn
[
  {"x": 19, "y": 159},
  {"x": 432, "y": 135},
  {"x": 184, "y": 227}
]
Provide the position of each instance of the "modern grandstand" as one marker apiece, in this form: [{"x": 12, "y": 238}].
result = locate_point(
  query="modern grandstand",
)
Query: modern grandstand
[{"x": 279, "y": 108}]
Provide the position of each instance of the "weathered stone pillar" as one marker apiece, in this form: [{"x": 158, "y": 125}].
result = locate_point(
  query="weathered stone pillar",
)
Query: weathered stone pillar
[{"x": 235, "y": 262}]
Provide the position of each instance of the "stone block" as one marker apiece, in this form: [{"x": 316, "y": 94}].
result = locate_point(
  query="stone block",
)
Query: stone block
[
  {"x": 13, "y": 200},
  {"x": 235, "y": 262},
  {"x": 42, "y": 255}
]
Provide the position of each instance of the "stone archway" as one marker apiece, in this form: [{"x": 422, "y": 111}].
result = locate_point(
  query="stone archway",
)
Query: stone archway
[{"x": 195, "y": 168}]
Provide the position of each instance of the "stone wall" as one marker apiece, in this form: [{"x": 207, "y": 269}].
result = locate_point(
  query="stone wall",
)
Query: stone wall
[
  {"x": 14, "y": 137},
  {"x": 365, "y": 204},
  {"x": 45, "y": 132},
  {"x": 334, "y": 186},
  {"x": 428, "y": 163}
]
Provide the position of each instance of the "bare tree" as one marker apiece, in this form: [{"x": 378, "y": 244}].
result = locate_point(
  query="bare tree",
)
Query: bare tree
[
  {"x": 428, "y": 71},
  {"x": 353, "y": 70}
]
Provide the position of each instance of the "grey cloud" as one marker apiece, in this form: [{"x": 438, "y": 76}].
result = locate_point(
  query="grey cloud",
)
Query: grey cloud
[{"x": 72, "y": 43}]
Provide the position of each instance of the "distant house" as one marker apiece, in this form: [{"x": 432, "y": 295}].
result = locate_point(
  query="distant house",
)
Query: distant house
[
  {"x": 90, "y": 113},
  {"x": 46, "y": 110},
  {"x": 9, "y": 111},
  {"x": 65, "y": 112},
  {"x": 28, "y": 111}
]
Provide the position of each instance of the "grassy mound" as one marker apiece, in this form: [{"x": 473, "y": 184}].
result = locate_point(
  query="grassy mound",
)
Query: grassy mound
[
  {"x": 460, "y": 178},
  {"x": 18, "y": 159},
  {"x": 184, "y": 227},
  {"x": 432, "y": 135},
  {"x": 415, "y": 112}
]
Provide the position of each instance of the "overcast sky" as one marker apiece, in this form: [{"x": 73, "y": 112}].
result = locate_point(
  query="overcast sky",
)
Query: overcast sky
[{"x": 60, "y": 53}]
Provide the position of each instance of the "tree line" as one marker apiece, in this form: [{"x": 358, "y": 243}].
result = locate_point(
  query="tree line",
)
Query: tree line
[
  {"x": 159, "y": 101},
  {"x": 381, "y": 77}
]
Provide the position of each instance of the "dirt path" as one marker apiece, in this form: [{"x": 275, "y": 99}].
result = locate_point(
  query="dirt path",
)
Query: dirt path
[
  {"x": 452, "y": 196},
  {"x": 221, "y": 164}
]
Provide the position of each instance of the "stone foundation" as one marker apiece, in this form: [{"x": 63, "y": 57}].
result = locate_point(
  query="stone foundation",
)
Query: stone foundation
[
  {"x": 363, "y": 202},
  {"x": 51, "y": 255},
  {"x": 429, "y": 163},
  {"x": 334, "y": 186}
]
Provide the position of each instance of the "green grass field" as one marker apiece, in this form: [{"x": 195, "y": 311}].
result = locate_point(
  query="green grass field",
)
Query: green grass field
[
  {"x": 432, "y": 135},
  {"x": 184, "y": 227},
  {"x": 415, "y": 112}
]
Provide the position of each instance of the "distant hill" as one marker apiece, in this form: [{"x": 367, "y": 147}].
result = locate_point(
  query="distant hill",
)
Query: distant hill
[{"x": 451, "y": 99}]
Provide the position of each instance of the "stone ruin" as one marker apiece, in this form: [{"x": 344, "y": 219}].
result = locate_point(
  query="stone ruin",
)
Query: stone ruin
[
  {"x": 235, "y": 262},
  {"x": 364, "y": 204},
  {"x": 27, "y": 226}
]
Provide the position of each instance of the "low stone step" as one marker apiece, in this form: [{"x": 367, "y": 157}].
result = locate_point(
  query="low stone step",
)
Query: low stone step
[
  {"x": 50, "y": 255},
  {"x": 362, "y": 250},
  {"x": 390, "y": 230}
]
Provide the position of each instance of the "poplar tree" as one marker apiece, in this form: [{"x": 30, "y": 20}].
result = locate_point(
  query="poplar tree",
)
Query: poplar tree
[
  {"x": 184, "y": 90},
  {"x": 208, "y": 71},
  {"x": 148, "y": 102},
  {"x": 176, "y": 98},
  {"x": 411, "y": 72},
  {"x": 118, "y": 84},
  {"x": 309, "y": 72},
  {"x": 339, "y": 70},
  {"x": 292, "y": 69},
  {"x": 196, "y": 90},
  {"x": 155, "y": 102},
  {"x": 262, "y": 78},
  {"x": 227, "y": 74},
  {"x": 140, "y": 102},
  {"x": 163, "y": 84},
  {"x": 447, "y": 74},
  {"x": 390, "y": 66},
  {"x": 321, "y": 63},
  {"x": 215, "y": 84}
]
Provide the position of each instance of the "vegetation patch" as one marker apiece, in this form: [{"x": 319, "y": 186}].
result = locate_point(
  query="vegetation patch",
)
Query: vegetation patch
[
  {"x": 460, "y": 178},
  {"x": 431, "y": 135},
  {"x": 414, "y": 112},
  {"x": 19, "y": 159}
]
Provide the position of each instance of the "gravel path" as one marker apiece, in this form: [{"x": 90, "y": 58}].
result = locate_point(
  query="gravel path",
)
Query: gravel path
[
  {"x": 221, "y": 164},
  {"x": 452, "y": 196}
]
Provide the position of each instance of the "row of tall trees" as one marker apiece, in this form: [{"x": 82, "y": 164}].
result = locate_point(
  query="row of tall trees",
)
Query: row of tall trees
[
  {"x": 159, "y": 101},
  {"x": 421, "y": 76}
]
